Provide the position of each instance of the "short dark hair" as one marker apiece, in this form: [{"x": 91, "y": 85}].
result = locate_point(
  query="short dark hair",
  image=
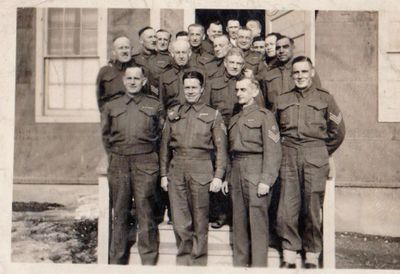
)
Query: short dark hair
[
  {"x": 285, "y": 37},
  {"x": 276, "y": 34},
  {"x": 181, "y": 33},
  {"x": 217, "y": 22},
  {"x": 139, "y": 67},
  {"x": 164, "y": 30},
  {"x": 194, "y": 74},
  {"x": 302, "y": 58},
  {"x": 257, "y": 39},
  {"x": 143, "y": 30}
]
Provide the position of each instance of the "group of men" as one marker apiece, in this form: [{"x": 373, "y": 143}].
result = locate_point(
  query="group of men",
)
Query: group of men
[{"x": 220, "y": 122}]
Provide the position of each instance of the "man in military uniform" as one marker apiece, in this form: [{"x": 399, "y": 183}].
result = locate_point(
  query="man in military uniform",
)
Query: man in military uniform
[
  {"x": 192, "y": 132},
  {"x": 216, "y": 67},
  {"x": 162, "y": 61},
  {"x": 109, "y": 84},
  {"x": 214, "y": 30},
  {"x": 252, "y": 59},
  {"x": 232, "y": 27},
  {"x": 278, "y": 80},
  {"x": 171, "y": 83},
  {"x": 270, "y": 58},
  {"x": 131, "y": 129},
  {"x": 258, "y": 45},
  {"x": 199, "y": 57},
  {"x": 221, "y": 91},
  {"x": 312, "y": 128},
  {"x": 148, "y": 42},
  {"x": 256, "y": 157}
]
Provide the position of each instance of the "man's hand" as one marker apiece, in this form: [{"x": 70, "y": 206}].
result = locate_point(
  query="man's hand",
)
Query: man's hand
[
  {"x": 225, "y": 188},
  {"x": 215, "y": 185},
  {"x": 164, "y": 183},
  {"x": 263, "y": 189}
]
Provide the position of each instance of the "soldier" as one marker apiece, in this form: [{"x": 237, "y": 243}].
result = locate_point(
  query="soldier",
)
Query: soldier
[
  {"x": 252, "y": 59},
  {"x": 279, "y": 80},
  {"x": 148, "y": 42},
  {"x": 109, "y": 84},
  {"x": 255, "y": 27},
  {"x": 256, "y": 156},
  {"x": 192, "y": 132},
  {"x": 131, "y": 129},
  {"x": 258, "y": 45},
  {"x": 312, "y": 128},
  {"x": 216, "y": 67},
  {"x": 232, "y": 27},
  {"x": 171, "y": 84},
  {"x": 270, "y": 59},
  {"x": 162, "y": 60},
  {"x": 199, "y": 57},
  {"x": 214, "y": 30},
  {"x": 221, "y": 91}
]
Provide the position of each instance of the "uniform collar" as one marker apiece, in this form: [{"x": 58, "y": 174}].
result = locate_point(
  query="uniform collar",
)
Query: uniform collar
[
  {"x": 121, "y": 66},
  {"x": 165, "y": 52},
  {"x": 137, "y": 98},
  {"x": 147, "y": 53},
  {"x": 196, "y": 106},
  {"x": 197, "y": 50},
  {"x": 227, "y": 76},
  {"x": 249, "y": 109},
  {"x": 287, "y": 65},
  {"x": 306, "y": 91},
  {"x": 179, "y": 68}
]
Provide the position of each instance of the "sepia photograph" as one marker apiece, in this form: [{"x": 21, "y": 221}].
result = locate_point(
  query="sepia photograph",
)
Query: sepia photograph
[{"x": 193, "y": 136}]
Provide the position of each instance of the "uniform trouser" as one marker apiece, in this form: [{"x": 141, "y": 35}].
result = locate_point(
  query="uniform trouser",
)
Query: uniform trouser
[
  {"x": 303, "y": 175},
  {"x": 133, "y": 176},
  {"x": 189, "y": 200},
  {"x": 250, "y": 213}
]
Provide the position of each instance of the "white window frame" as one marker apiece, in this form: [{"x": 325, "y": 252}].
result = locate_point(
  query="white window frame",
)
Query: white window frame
[
  {"x": 42, "y": 115},
  {"x": 387, "y": 74}
]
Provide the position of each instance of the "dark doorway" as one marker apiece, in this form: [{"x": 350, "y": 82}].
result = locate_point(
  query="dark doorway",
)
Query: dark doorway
[{"x": 206, "y": 16}]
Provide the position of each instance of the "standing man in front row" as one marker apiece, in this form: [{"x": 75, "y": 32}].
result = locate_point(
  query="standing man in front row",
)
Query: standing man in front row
[
  {"x": 192, "y": 132},
  {"x": 131, "y": 130},
  {"x": 312, "y": 128},
  {"x": 255, "y": 149}
]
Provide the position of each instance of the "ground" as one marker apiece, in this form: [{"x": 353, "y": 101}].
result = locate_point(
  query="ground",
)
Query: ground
[{"x": 51, "y": 232}]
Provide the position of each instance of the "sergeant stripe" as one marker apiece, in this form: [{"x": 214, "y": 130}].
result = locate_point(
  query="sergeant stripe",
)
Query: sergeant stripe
[
  {"x": 274, "y": 136},
  {"x": 335, "y": 118}
]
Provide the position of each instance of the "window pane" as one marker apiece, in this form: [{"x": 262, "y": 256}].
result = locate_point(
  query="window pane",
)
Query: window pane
[
  {"x": 71, "y": 42},
  {"x": 89, "y": 97},
  {"x": 73, "y": 71},
  {"x": 89, "y": 42},
  {"x": 89, "y": 18},
  {"x": 56, "y": 71},
  {"x": 55, "y": 46},
  {"x": 72, "y": 18},
  {"x": 90, "y": 70},
  {"x": 55, "y": 18},
  {"x": 56, "y": 96},
  {"x": 73, "y": 96}
]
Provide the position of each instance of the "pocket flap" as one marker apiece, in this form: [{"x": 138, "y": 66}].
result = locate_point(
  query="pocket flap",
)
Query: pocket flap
[
  {"x": 117, "y": 111},
  {"x": 110, "y": 76},
  {"x": 202, "y": 178},
  {"x": 285, "y": 105},
  {"x": 206, "y": 117},
  {"x": 252, "y": 178},
  {"x": 149, "y": 169},
  {"x": 218, "y": 85},
  {"x": 317, "y": 161},
  {"x": 148, "y": 110},
  {"x": 317, "y": 105},
  {"x": 253, "y": 123},
  {"x": 271, "y": 75}
]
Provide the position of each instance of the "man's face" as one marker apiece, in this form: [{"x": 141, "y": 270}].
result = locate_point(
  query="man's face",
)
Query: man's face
[
  {"x": 196, "y": 35},
  {"x": 162, "y": 40},
  {"x": 245, "y": 92},
  {"x": 259, "y": 46},
  {"x": 148, "y": 39},
  {"x": 122, "y": 49},
  {"x": 192, "y": 89},
  {"x": 214, "y": 31},
  {"x": 134, "y": 80},
  {"x": 244, "y": 39},
  {"x": 221, "y": 46},
  {"x": 270, "y": 46},
  {"x": 181, "y": 52},
  {"x": 284, "y": 50},
  {"x": 254, "y": 27},
  {"x": 232, "y": 28},
  {"x": 234, "y": 64},
  {"x": 302, "y": 73}
]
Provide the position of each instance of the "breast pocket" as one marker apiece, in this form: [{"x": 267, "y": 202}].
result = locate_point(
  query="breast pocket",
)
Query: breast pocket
[
  {"x": 287, "y": 113},
  {"x": 150, "y": 124},
  {"x": 316, "y": 113},
  {"x": 118, "y": 120},
  {"x": 252, "y": 132}
]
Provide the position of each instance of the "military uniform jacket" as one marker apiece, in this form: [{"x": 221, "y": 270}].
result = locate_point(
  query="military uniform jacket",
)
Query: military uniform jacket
[
  {"x": 265, "y": 66},
  {"x": 279, "y": 80},
  {"x": 252, "y": 60},
  {"x": 215, "y": 68},
  {"x": 109, "y": 83},
  {"x": 171, "y": 85},
  {"x": 255, "y": 131},
  {"x": 207, "y": 46},
  {"x": 131, "y": 125},
  {"x": 222, "y": 94},
  {"x": 310, "y": 118},
  {"x": 190, "y": 128},
  {"x": 200, "y": 58},
  {"x": 144, "y": 59},
  {"x": 159, "y": 64}
]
